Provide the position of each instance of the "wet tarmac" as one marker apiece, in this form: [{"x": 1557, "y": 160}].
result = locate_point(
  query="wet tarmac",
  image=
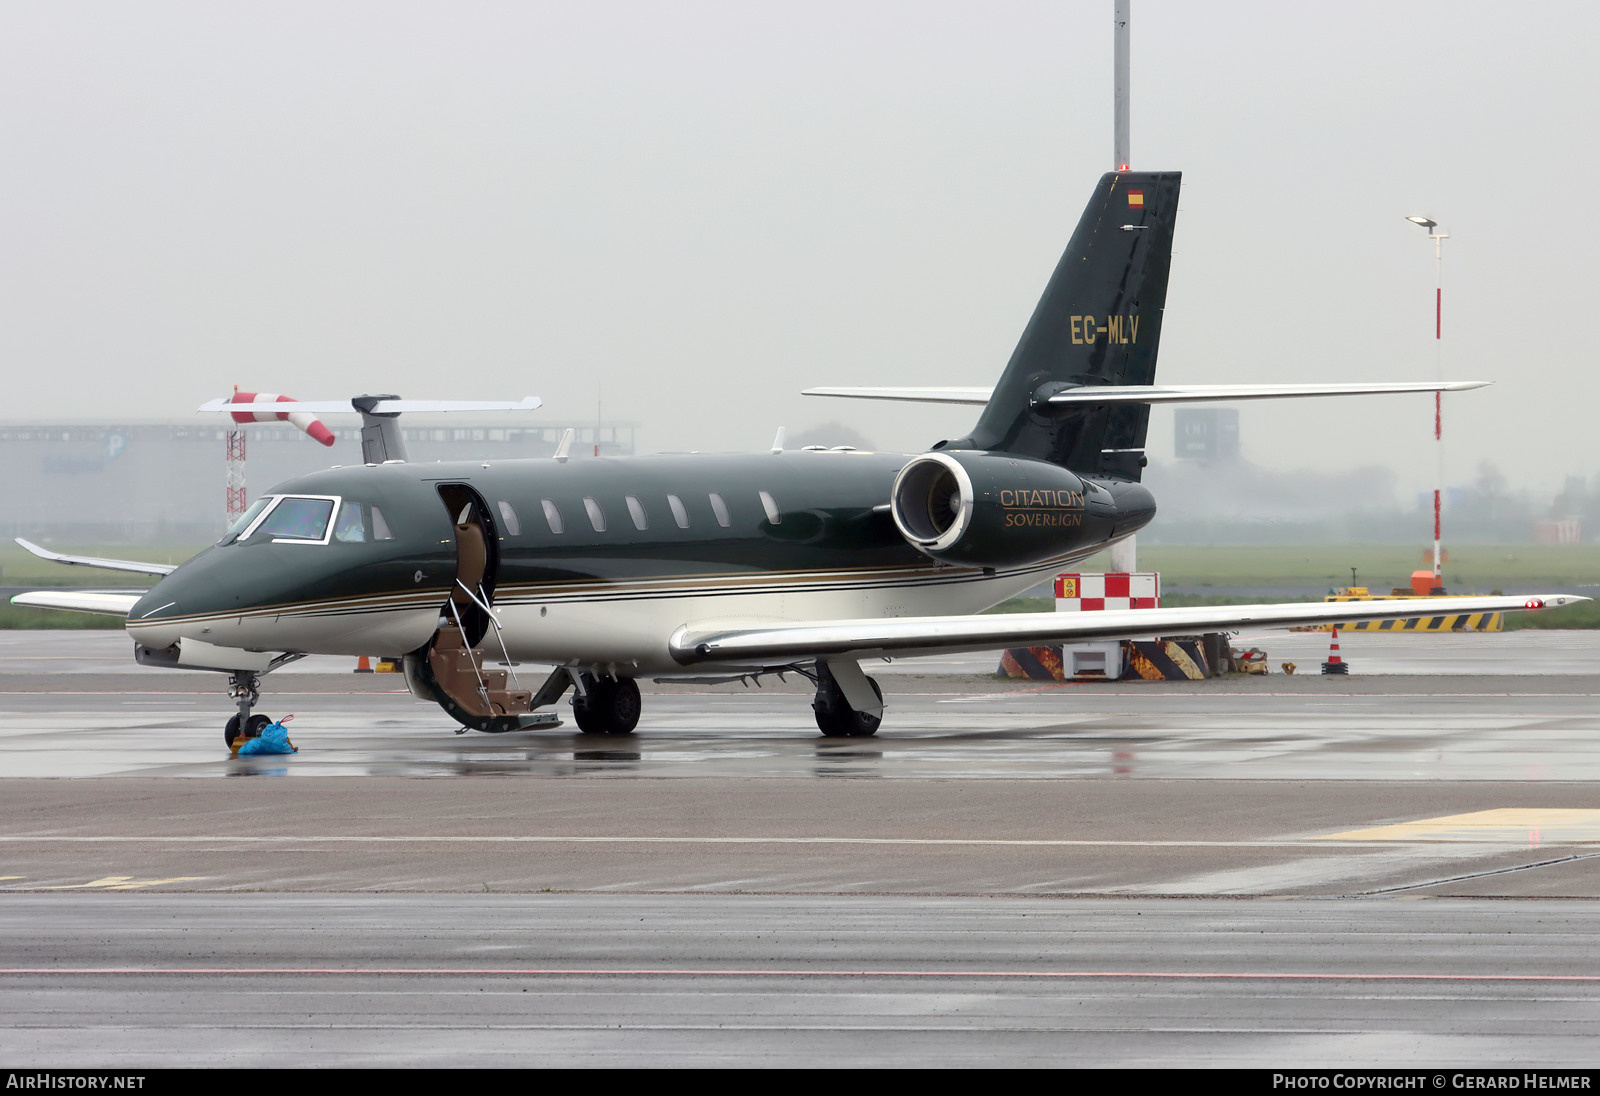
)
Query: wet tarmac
[
  {"x": 1398, "y": 867},
  {"x": 684, "y": 980}
]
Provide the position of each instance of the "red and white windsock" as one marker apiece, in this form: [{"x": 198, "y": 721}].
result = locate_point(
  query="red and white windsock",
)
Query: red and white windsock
[{"x": 307, "y": 422}]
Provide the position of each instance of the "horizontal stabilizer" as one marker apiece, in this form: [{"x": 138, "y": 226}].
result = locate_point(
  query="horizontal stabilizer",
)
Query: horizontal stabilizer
[
  {"x": 979, "y": 396},
  {"x": 1154, "y": 393},
  {"x": 138, "y": 567},
  {"x": 380, "y": 407},
  {"x": 903, "y": 636},
  {"x": 105, "y": 602},
  {"x": 1210, "y": 393}
]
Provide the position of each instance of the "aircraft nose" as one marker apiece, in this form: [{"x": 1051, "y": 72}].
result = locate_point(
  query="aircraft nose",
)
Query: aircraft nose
[
  {"x": 152, "y": 621},
  {"x": 167, "y": 613}
]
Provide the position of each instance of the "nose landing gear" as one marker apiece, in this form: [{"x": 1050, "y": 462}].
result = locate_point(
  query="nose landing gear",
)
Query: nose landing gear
[{"x": 244, "y": 688}]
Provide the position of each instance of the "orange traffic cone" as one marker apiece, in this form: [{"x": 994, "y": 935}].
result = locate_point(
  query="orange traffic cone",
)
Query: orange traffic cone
[
  {"x": 1335, "y": 664},
  {"x": 364, "y": 666}
]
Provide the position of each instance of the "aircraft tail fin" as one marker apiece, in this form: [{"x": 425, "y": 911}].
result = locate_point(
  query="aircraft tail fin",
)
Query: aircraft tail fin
[{"x": 1097, "y": 324}]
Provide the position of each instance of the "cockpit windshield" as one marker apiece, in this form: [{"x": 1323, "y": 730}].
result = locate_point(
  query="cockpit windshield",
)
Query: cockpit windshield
[
  {"x": 246, "y": 518},
  {"x": 308, "y": 519},
  {"x": 294, "y": 519},
  {"x": 297, "y": 519}
]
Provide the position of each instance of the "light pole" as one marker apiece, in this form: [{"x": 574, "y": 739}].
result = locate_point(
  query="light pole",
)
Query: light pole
[
  {"x": 1438, "y": 239},
  {"x": 1120, "y": 79}
]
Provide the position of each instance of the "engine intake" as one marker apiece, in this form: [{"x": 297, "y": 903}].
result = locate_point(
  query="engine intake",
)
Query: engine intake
[
  {"x": 933, "y": 502},
  {"x": 996, "y": 510}
]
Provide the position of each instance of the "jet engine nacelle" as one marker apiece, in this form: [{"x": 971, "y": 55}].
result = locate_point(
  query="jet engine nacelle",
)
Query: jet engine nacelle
[{"x": 994, "y": 510}]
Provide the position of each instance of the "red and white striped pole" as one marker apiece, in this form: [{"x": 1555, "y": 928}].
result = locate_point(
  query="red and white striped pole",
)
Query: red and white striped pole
[
  {"x": 235, "y": 440},
  {"x": 1438, "y": 239}
]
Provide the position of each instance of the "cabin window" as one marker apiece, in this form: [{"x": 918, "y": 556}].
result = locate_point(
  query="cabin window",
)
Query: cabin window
[
  {"x": 770, "y": 505},
  {"x": 720, "y": 508},
  {"x": 680, "y": 513},
  {"x": 597, "y": 516},
  {"x": 297, "y": 519},
  {"x": 380, "y": 528},
  {"x": 349, "y": 529},
  {"x": 552, "y": 516},
  {"x": 636, "y": 511},
  {"x": 513, "y": 526}
]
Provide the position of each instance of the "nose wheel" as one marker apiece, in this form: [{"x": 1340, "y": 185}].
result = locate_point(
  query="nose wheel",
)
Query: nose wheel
[
  {"x": 253, "y": 726},
  {"x": 244, "y": 688}
]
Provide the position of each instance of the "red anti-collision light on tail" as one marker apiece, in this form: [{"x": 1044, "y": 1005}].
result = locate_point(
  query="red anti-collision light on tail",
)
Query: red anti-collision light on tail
[{"x": 309, "y": 423}]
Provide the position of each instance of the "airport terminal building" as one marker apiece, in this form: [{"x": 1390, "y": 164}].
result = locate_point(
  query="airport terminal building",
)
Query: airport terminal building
[{"x": 166, "y": 483}]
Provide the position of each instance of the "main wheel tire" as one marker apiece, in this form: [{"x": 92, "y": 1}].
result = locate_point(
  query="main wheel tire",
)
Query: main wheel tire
[
  {"x": 835, "y": 717},
  {"x": 610, "y": 706},
  {"x": 252, "y": 729}
]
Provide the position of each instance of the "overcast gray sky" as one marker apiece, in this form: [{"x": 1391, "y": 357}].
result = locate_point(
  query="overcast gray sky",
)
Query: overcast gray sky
[{"x": 703, "y": 207}]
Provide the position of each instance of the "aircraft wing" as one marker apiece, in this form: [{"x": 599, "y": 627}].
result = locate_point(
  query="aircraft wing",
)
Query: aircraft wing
[
  {"x": 908, "y": 636},
  {"x": 106, "y": 602},
  {"x": 136, "y": 566},
  {"x": 1154, "y": 393}
]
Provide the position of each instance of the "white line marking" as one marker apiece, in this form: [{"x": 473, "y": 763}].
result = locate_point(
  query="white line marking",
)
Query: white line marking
[
  {"x": 589, "y": 839},
  {"x": 781, "y": 972}
]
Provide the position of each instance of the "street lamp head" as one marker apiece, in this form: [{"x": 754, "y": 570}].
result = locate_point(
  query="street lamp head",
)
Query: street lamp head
[{"x": 1424, "y": 222}]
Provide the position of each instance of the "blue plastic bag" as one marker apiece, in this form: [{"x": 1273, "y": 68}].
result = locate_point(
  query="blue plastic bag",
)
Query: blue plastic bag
[{"x": 273, "y": 739}]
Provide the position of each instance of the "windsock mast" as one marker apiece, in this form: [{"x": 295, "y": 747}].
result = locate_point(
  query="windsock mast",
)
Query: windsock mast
[
  {"x": 238, "y": 500},
  {"x": 380, "y": 416}
]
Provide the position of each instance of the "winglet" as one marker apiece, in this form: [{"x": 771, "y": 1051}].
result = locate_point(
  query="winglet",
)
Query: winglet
[{"x": 138, "y": 567}]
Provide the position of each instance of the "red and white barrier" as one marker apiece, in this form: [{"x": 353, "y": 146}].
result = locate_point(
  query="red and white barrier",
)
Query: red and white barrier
[
  {"x": 1110, "y": 590},
  {"x": 307, "y": 422}
]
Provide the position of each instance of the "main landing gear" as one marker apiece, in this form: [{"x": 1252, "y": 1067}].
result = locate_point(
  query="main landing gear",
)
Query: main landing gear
[
  {"x": 606, "y": 705},
  {"x": 244, "y": 687},
  {"x": 836, "y": 716}
]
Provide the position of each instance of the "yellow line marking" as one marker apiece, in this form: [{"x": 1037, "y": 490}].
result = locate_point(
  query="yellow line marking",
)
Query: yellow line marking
[
  {"x": 1520, "y": 825},
  {"x": 120, "y": 882}
]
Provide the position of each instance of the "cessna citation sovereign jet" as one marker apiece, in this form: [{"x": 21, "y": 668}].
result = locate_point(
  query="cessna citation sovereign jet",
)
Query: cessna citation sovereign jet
[{"x": 707, "y": 567}]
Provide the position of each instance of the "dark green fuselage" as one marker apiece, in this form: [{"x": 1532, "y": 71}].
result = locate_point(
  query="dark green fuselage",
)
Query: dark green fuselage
[{"x": 586, "y": 595}]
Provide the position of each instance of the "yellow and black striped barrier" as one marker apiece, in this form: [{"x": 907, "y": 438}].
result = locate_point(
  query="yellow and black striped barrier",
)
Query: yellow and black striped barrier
[
  {"x": 1167, "y": 659},
  {"x": 1454, "y": 622},
  {"x": 1448, "y": 622},
  {"x": 1032, "y": 663}
]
